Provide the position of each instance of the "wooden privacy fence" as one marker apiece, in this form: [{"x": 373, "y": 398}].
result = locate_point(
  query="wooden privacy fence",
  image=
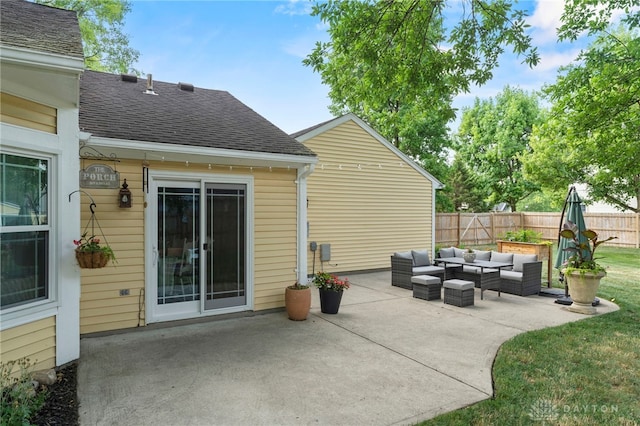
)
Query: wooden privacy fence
[{"x": 485, "y": 228}]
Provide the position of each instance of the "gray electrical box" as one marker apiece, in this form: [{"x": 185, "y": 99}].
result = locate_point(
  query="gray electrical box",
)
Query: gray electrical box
[{"x": 325, "y": 252}]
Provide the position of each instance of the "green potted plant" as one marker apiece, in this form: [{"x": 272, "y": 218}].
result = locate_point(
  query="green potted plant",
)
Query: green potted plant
[
  {"x": 582, "y": 272},
  {"x": 331, "y": 288},
  {"x": 523, "y": 236},
  {"x": 297, "y": 301},
  {"x": 469, "y": 256},
  {"x": 90, "y": 254}
]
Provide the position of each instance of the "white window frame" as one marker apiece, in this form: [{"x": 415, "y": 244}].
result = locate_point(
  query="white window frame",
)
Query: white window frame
[{"x": 44, "y": 308}]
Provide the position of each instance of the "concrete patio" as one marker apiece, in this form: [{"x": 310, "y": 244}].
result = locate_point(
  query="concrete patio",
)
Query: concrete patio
[{"x": 384, "y": 359}]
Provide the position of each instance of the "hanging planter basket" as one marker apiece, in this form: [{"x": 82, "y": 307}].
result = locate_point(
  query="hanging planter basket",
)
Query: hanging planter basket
[
  {"x": 92, "y": 259},
  {"x": 89, "y": 254}
]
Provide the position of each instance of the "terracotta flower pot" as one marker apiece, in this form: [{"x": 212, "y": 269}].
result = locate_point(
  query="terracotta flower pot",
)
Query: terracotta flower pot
[{"x": 297, "y": 302}]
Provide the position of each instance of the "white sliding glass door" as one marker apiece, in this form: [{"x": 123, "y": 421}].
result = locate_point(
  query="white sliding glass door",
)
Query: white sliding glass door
[
  {"x": 226, "y": 240},
  {"x": 200, "y": 248}
]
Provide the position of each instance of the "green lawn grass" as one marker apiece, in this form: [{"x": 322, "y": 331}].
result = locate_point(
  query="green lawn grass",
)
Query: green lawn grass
[{"x": 582, "y": 373}]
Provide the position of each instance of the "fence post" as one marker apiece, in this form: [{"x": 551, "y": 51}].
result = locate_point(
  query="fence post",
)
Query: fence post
[
  {"x": 492, "y": 215},
  {"x": 637, "y": 230},
  {"x": 458, "y": 226}
]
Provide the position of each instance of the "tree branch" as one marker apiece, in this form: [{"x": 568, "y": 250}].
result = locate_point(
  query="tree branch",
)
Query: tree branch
[{"x": 616, "y": 201}]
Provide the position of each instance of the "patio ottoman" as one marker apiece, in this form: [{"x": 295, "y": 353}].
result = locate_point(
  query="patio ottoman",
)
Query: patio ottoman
[
  {"x": 458, "y": 292},
  {"x": 426, "y": 287}
]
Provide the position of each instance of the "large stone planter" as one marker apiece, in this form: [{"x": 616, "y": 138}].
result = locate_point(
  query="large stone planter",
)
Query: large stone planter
[{"x": 583, "y": 287}]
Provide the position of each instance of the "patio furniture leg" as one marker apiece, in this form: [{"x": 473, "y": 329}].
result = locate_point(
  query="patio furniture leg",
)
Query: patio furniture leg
[{"x": 489, "y": 280}]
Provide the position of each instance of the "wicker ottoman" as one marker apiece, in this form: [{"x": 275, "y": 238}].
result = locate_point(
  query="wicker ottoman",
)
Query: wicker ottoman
[
  {"x": 458, "y": 292},
  {"x": 426, "y": 287}
]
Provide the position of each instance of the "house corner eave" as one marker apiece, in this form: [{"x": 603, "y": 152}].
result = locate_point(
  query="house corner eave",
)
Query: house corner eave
[{"x": 35, "y": 59}]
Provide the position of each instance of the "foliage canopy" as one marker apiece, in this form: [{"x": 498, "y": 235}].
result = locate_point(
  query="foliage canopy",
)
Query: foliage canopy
[
  {"x": 493, "y": 136},
  {"x": 397, "y": 65},
  {"x": 593, "y": 131}
]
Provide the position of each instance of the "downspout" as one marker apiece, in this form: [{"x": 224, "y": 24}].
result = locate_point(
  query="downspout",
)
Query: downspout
[
  {"x": 433, "y": 221},
  {"x": 434, "y": 188},
  {"x": 301, "y": 181}
]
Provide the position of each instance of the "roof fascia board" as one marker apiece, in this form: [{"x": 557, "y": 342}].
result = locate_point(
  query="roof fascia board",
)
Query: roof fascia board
[
  {"x": 347, "y": 117},
  {"x": 195, "y": 154},
  {"x": 41, "y": 59}
]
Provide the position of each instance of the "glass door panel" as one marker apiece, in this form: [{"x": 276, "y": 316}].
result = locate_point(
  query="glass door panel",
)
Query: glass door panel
[
  {"x": 178, "y": 235},
  {"x": 225, "y": 262}
]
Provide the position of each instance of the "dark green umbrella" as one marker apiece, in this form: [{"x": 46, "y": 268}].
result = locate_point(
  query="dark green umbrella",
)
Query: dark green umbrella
[{"x": 573, "y": 209}]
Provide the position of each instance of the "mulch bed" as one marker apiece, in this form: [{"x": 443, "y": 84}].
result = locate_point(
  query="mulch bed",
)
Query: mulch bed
[{"x": 61, "y": 405}]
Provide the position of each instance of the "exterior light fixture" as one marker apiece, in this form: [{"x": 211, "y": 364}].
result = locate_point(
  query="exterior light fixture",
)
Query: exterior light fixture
[{"x": 124, "y": 196}]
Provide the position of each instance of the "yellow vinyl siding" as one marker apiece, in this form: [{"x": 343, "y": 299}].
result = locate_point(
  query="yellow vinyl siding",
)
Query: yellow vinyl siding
[
  {"x": 368, "y": 212},
  {"x": 274, "y": 237},
  {"x": 29, "y": 114},
  {"x": 101, "y": 306},
  {"x": 275, "y": 248},
  {"x": 35, "y": 341}
]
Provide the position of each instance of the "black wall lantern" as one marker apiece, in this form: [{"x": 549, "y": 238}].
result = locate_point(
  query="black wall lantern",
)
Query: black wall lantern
[{"x": 124, "y": 196}]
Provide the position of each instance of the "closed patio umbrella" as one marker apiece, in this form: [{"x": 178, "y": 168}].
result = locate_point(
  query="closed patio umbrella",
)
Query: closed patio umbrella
[{"x": 573, "y": 209}]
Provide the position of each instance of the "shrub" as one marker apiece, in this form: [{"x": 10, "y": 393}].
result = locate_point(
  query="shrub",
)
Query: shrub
[
  {"x": 20, "y": 400},
  {"x": 523, "y": 236}
]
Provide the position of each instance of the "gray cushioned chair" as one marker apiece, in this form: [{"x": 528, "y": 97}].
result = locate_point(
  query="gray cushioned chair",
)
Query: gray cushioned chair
[{"x": 405, "y": 265}]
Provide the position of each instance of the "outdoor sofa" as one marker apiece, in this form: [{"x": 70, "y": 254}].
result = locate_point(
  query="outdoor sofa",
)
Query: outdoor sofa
[
  {"x": 524, "y": 278},
  {"x": 406, "y": 264}
]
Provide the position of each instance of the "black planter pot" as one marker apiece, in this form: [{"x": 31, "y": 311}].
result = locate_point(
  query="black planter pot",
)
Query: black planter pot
[{"x": 330, "y": 301}]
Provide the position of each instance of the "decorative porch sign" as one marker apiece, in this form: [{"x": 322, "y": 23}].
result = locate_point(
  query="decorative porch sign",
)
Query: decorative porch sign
[{"x": 99, "y": 176}]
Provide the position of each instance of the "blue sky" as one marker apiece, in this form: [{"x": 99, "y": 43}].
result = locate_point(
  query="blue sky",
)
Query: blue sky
[{"x": 254, "y": 50}]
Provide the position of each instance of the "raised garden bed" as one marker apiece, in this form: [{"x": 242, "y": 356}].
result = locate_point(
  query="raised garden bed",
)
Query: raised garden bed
[{"x": 544, "y": 251}]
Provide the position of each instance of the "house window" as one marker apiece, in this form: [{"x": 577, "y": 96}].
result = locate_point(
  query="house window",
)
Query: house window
[{"x": 24, "y": 230}]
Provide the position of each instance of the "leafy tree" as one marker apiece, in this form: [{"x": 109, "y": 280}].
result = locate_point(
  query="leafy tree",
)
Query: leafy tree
[
  {"x": 422, "y": 133},
  {"x": 466, "y": 191},
  {"x": 544, "y": 201},
  {"x": 593, "y": 132},
  {"x": 400, "y": 50},
  {"x": 493, "y": 135},
  {"x": 394, "y": 64},
  {"x": 444, "y": 203},
  {"x": 106, "y": 47},
  {"x": 595, "y": 16}
]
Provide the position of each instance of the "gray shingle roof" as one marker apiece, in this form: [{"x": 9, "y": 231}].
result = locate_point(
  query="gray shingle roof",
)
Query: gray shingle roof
[
  {"x": 308, "y": 129},
  {"x": 41, "y": 28},
  {"x": 112, "y": 108}
]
